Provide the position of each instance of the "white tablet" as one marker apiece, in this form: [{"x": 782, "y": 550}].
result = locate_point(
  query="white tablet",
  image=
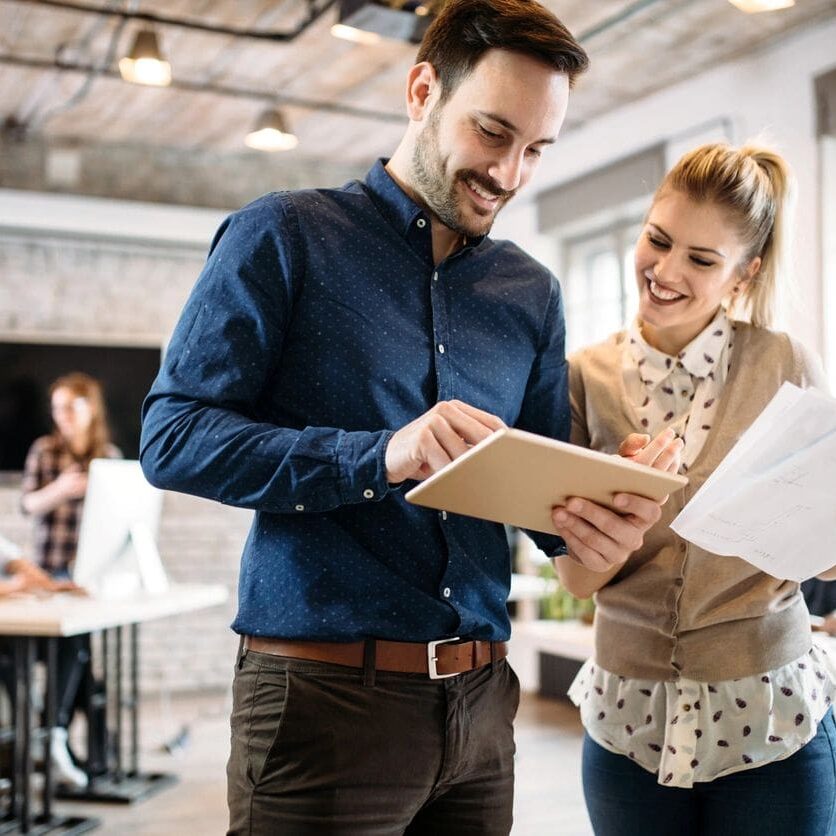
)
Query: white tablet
[{"x": 516, "y": 477}]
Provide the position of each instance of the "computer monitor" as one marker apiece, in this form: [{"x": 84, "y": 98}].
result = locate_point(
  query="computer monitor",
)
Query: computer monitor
[{"x": 117, "y": 553}]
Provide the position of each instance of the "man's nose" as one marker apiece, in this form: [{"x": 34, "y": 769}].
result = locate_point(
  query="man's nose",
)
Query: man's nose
[{"x": 507, "y": 170}]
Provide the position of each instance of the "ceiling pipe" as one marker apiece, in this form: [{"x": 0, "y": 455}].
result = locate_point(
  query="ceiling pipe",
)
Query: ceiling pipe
[
  {"x": 217, "y": 89},
  {"x": 315, "y": 11},
  {"x": 614, "y": 20}
]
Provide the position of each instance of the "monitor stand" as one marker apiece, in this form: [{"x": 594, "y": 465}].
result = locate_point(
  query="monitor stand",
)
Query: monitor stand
[
  {"x": 151, "y": 571},
  {"x": 137, "y": 568}
]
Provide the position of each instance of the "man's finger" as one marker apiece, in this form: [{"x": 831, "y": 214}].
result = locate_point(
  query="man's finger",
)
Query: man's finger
[
  {"x": 433, "y": 453},
  {"x": 472, "y": 429},
  {"x": 447, "y": 436},
  {"x": 491, "y": 421}
]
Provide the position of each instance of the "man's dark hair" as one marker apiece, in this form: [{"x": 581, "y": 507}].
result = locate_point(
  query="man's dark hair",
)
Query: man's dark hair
[{"x": 466, "y": 29}]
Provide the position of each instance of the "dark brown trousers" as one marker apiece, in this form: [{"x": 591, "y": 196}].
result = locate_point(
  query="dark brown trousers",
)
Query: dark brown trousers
[{"x": 317, "y": 751}]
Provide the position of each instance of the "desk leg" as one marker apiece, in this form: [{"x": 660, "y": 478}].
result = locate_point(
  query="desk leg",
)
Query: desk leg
[
  {"x": 134, "y": 768},
  {"x": 117, "y": 734},
  {"x": 108, "y": 696},
  {"x": 120, "y": 786},
  {"x": 24, "y": 651},
  {"x": 51, "y": 712}
]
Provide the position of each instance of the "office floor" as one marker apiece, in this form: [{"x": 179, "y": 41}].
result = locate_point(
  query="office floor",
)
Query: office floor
[{"x": 548, "y": 797}]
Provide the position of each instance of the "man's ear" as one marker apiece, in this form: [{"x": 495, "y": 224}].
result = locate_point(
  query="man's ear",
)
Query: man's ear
[{"x": 423, "y": 90}]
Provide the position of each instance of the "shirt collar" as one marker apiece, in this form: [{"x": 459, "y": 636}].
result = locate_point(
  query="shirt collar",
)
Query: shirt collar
[
  {"x": 698, "y": 358},
  {"x": 399, "y": 209}
]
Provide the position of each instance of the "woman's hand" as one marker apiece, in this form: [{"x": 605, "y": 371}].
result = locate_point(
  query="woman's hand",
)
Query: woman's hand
[
  {"x": 71, "y": 484},
  {"x": 29, "y": 577},
  {"x": 663, "y": 453}
]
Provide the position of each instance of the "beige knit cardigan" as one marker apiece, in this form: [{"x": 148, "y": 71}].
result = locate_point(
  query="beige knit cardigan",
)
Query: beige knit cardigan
[{"x": 674, "y": 609}]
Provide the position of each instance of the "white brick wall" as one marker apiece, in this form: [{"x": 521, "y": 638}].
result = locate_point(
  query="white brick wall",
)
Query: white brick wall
[{"x": 129, "y": 293}]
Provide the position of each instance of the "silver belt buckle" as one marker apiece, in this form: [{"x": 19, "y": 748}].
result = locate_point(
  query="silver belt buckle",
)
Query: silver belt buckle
[{"x": 432, "y": 659}]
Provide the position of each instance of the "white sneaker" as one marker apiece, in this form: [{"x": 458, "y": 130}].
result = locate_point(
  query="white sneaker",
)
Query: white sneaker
[{"x": 64, "y": 771}]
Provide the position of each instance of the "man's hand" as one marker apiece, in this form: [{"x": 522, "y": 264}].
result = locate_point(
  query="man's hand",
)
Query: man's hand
[
  {"x": 663, "y": 453},
  {"x": 434, "y": 439},
  {"x": 600, "y": 539}
]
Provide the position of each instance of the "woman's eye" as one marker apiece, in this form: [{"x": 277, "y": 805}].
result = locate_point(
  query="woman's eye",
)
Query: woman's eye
[
  {"x": 657, "y": 242},
  {"x": 701, "y": 262}
]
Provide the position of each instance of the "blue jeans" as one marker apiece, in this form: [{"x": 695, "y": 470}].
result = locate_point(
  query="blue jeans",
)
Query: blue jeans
[{"x": 794, "y": 796}]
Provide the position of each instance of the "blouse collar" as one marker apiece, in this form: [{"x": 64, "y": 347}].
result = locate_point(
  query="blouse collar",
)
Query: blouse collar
[{"x": 699, "y": 358}]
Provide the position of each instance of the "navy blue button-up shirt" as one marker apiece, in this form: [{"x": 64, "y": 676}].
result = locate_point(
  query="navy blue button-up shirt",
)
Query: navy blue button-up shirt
[{"x": 317, "y": 328}]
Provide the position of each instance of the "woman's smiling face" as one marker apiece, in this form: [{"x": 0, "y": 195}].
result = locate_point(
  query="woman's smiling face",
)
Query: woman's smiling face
[{"x": 688, "y": 259}]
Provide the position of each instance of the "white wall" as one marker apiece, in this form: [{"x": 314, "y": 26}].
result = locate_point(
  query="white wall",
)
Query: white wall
[
  {"x": 828, "y": 222},
  {"x": 771, "y": 91}
]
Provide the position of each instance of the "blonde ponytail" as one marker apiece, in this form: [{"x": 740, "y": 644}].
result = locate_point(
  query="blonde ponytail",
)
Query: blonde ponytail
[{"x": 755, "y": 185}]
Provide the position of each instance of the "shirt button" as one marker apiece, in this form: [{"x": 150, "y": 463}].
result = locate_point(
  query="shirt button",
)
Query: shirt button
[
  {"x": 368, "y": 493},
  {"x": 446, "y": 592},
  {"x": 443, "y": 515},
  {"x": 300, "y": 507},
  {"x": 435, "y": 276},
  {"x": 441, "y": 348},
  {"x": 686, "y": 707},
  {"x": 420, "y": 223}
]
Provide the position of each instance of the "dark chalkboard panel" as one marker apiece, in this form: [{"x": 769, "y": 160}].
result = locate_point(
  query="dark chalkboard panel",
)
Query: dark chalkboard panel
[{"x": 28, "y": 369}]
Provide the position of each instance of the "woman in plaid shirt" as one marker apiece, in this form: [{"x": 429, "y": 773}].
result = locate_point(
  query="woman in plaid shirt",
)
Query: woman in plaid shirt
[
  {"x": 54, "y": 484},
  {"x": 55, "y": 473}
]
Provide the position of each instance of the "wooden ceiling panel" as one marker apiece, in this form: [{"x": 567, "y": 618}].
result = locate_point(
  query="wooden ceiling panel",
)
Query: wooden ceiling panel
[{"x": 635, "y": 47}]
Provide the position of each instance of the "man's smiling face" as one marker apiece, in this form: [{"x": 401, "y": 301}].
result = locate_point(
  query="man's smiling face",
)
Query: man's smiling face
[{"x": 483, "y": 143}]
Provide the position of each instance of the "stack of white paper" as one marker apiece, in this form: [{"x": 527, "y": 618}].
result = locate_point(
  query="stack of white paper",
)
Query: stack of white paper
[{"x": 772, "y": 500}]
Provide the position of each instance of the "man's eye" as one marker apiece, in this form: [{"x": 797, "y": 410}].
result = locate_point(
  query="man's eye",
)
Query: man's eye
[{"x": 489, "y": 134}]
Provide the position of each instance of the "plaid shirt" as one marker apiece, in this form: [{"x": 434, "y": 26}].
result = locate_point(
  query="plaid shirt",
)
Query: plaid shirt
[{"x": 56, "y": 533}]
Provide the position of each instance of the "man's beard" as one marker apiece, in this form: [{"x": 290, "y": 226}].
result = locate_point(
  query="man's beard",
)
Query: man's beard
[{"x": 438, "y": 189}]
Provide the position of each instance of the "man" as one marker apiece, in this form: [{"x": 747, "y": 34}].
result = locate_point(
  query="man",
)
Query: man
[{"x": 338, "y": 344}]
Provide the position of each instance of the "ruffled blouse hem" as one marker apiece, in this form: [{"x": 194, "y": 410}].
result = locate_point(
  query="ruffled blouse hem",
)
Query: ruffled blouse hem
[{"x": 691, "y": 732}]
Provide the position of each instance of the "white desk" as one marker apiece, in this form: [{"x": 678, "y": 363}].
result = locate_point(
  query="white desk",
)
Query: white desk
[
  {"x": 26, "y": 619},
  {"x": 69, "y": 615}
]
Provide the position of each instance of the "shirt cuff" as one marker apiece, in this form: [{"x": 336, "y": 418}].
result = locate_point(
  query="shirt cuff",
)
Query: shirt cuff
[
  {"x": 550, "y": 544},
  {"x": 361, "y": 458}
]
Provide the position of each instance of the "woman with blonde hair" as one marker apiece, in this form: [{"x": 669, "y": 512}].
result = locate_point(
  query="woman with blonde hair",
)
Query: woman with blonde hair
[
  {"x": 707, "y": 706},
  {"x": 53, "y": 488}
]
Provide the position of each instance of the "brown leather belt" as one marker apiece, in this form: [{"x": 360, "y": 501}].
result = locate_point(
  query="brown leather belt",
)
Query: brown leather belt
[{"x": 436, "y": 659}]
